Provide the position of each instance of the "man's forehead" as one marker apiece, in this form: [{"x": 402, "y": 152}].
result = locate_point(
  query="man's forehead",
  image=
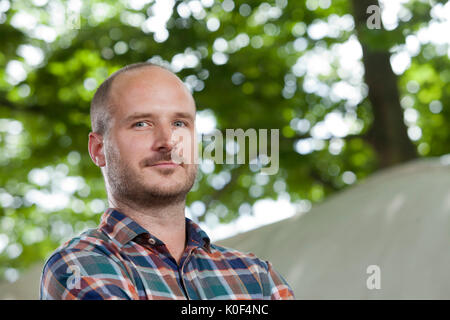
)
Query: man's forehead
[{"x": 150, "y": 85}]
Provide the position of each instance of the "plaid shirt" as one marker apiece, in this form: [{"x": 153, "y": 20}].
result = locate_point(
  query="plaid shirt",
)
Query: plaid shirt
[{"x": 122, "y": 260}]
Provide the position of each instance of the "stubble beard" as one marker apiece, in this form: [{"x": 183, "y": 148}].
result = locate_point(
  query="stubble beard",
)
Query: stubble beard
[{"x": 127, "y": 186}]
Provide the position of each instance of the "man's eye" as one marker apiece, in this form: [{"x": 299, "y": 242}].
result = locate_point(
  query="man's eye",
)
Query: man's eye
[
  {"x": 140, "y": 124},
  {"x": 181, "y": 123}
]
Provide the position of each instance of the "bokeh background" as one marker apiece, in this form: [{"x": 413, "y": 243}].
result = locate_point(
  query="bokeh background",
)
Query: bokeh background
[{"x": 349, "y": 100}]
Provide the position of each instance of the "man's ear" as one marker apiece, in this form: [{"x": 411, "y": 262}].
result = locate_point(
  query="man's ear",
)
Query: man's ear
[{"x": 96, "y": 149}]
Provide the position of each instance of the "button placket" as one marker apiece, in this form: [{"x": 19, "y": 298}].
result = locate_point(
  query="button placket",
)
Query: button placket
[{"x": 181, "y": 272}]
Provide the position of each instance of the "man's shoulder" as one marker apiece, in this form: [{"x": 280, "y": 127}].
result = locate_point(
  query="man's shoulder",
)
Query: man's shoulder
[
  {"x": 82, "y": 265},
  {"x": 87, "y": 240},
  {"x": 267, "y": 276},
  {"x": 238, "y": 258},
  {"x": 91, "y": 242}
]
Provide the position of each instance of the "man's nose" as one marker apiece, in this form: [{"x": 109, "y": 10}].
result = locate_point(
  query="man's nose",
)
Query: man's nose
[{"x": 163, "y": 140}]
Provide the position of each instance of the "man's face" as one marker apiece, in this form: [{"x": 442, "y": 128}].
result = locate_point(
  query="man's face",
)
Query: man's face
[{"x": 151, "y": 107}]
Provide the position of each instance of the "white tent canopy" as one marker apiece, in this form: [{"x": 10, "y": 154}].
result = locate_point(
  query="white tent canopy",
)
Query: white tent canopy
[{"x": 398, "y": 220}]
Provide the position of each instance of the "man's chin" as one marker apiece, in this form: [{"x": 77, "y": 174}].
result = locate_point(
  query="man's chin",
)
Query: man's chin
[
  {"x": 166, "y": 191},
  {"x": 165, "y": 174}
]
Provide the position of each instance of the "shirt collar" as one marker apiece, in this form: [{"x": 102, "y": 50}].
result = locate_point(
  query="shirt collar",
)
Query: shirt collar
[
  {"x": 196, "y": 236},
  {"x": 121, "y": 229}
]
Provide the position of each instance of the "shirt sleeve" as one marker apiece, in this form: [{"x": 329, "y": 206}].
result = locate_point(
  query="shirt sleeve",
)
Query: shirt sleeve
[
  {"x": 280, "y": 290},
  {"x": 84, "y": 275}
]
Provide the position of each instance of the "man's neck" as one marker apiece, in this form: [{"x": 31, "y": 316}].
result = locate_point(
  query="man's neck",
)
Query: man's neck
[{"x": 167, "y": 223}]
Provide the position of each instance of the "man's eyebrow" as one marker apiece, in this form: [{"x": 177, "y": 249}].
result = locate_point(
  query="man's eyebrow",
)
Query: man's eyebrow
[
  {"x": 184, "y": 115},
  {"x": 140, "y": 115}
]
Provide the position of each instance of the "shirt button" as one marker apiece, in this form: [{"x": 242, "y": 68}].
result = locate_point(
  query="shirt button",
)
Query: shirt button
[{"x": 151, "y": 241}]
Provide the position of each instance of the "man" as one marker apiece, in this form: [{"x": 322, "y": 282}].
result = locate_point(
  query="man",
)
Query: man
[{"x": 144, "y": 247}]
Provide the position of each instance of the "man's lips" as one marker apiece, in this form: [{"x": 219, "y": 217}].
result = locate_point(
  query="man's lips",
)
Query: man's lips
[{"x": 165, "y": 165}]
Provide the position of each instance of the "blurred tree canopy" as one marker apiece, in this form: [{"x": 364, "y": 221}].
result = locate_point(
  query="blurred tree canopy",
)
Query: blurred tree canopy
[{"x": 348, "y": 100}]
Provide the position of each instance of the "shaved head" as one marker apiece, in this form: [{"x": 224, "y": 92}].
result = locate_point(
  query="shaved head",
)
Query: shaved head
[{"x": 101, "y": 104}]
